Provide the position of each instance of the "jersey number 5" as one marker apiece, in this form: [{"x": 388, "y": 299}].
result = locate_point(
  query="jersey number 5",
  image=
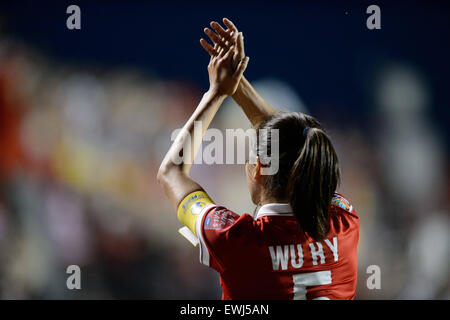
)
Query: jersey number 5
[{"x": 303, "y": 280}]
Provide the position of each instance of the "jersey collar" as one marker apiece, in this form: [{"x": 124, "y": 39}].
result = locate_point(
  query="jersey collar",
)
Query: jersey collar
[{"x": 275, "y": 209}]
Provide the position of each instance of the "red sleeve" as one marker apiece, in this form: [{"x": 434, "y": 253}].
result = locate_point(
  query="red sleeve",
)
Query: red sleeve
[{"x": 221, "y": 232}]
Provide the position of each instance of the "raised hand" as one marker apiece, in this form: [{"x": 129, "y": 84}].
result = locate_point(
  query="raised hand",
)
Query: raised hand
[
  {"x": 224, "y": 39},
  {"x": 254, "y": 106},
  {"x": 224, "y": 77}
]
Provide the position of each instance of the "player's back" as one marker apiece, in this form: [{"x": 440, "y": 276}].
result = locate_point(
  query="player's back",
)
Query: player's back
[{"x": 271, "y": 258}]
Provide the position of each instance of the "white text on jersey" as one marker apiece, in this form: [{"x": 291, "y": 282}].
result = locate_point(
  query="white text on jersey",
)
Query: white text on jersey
[{"x": 283, "y": 254}]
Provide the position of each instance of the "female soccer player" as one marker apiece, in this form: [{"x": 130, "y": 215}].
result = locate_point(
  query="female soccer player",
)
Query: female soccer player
[{"x": 302, "y": 244}]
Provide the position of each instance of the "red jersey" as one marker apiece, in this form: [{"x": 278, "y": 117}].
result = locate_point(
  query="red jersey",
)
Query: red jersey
[{"x": 270, "y": 257}]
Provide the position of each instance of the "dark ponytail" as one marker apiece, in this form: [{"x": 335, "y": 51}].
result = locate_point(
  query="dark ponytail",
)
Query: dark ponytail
[
  {"x": 312, "y": 182},
  {"x": 308, "y": 172}
]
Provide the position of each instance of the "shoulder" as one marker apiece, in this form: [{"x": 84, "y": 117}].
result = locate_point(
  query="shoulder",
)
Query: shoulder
[
  {"x": 222, "y": 232},
  {"x": 341, "y": 204},
  {"x": 219, "y": 219}
]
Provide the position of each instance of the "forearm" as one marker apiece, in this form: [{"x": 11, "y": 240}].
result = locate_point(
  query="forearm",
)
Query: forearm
[
  {"x": 173, "y": 174},
  {"x": 188, "y": 140},
  {"x": 254, "y": 106}
]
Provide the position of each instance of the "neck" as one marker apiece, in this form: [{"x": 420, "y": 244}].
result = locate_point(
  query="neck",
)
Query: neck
[{"x": 267, "y": 199}]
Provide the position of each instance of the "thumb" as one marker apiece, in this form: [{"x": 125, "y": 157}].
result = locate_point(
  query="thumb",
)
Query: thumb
[{"x": 241, "y": 67}]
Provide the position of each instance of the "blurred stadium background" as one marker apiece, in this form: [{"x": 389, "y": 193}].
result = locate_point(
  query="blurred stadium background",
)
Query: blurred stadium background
[{"x": 86, "y": 117}]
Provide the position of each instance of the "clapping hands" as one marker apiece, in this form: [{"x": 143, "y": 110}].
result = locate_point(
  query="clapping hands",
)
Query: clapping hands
[{"x": 228, "y": 61}]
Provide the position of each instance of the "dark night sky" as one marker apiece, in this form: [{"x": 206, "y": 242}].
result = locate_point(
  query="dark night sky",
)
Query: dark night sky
[{"x": 322, "y": 48}]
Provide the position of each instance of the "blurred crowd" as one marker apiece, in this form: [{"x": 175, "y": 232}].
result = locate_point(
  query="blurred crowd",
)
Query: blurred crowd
[{"x": 80, "y": 147}]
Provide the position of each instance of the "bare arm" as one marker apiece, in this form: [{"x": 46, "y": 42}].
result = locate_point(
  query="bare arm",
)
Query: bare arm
[
  {"x": 173, "y": 174},
  {"x": 254, "y": 106},
  {"x": 173, "y": 177}
]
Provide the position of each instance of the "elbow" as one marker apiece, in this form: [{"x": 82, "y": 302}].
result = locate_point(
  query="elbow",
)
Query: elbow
[
  {"x": 162, "y": 174},
  {"x": 165, "y": 171}
]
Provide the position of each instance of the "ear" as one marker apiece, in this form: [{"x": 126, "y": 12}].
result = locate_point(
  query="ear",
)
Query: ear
[{"x": 257, "y": 173}]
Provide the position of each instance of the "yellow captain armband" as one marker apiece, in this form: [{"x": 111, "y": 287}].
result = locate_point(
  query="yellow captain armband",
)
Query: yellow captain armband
[{"x": 191, "y": 206}]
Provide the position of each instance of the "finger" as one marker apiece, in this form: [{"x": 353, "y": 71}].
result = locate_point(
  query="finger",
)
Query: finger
[
  {"x": 217, "y": 48},
  {"x": 231, "y": 41},
  {"x": 220, "y": 31},
  {"x": 215, "y": 38},
  {"x": 231, "y": 28},
  {"x": 230, "y": 25},
  {"x": 228, "y": 54},
  {"x": 208, "y": 47},
  {"x": 221, "y": 53},
  {"x": 241, "y": 67},
  {"x": 240, "y": 46},
  {"x": 224, "y": 53}
]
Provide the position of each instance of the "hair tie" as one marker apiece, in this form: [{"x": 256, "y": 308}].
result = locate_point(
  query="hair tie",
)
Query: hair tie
[{"x": 305, "y": 131}]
